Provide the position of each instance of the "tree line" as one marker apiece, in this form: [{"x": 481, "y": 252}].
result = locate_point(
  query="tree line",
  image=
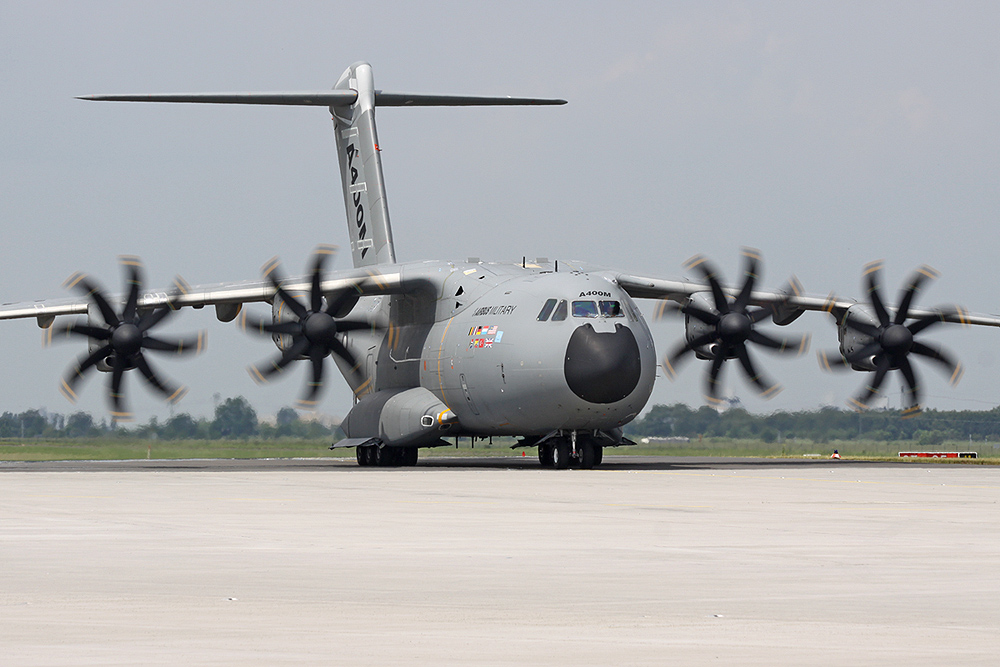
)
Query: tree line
[
  {"x": 234, "y": 418},
  {"x": 825, "y": 425}
]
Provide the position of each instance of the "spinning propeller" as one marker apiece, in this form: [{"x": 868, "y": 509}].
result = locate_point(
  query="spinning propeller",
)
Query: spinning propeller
[
  {"x": 123, "y": 338},
  {"x": 313, "y": 331},
  {"x": 728, "y": 328},
  {"x": 892, "y": 340}
]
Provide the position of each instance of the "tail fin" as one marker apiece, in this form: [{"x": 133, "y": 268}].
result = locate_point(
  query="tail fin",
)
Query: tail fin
[
  {"x": 352, "y": 103},
  {"x": 361, "y": 170}
]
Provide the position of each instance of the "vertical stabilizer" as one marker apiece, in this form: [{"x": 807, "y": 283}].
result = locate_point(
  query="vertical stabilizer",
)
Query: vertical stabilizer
[{"x": 361, "y": 170}]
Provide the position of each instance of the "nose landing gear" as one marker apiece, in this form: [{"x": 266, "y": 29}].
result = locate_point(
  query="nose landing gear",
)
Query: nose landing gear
[{"x": 561, "y": 452}]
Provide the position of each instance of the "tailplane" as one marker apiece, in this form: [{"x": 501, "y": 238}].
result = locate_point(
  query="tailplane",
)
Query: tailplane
[{"x": 352, "y": 103}]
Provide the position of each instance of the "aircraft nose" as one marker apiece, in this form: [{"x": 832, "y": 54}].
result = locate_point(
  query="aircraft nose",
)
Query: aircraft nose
[{"x": 602, "y": 367}]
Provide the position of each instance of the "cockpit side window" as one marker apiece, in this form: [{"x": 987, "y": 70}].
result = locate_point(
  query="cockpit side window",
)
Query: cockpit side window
[
  {"x": 611, "y": 309},
  {"x": 560, "y": 313},
  {"x": 546, "y": 310},
  {"x": 584, "y": 309}
]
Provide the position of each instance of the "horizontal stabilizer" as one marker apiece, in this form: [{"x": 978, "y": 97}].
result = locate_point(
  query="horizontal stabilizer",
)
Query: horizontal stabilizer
[
  {"x": 314, "y": 98},
  {"x": 326, "y": 98},
  {"x": 406, "y": 100}
]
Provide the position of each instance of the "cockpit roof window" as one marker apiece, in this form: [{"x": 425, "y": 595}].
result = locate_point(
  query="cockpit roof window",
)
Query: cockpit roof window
[
  {"x": 546, "y": 310},
  {"x": 560, "y": 313},
  {"x": 584, "y": 309}
]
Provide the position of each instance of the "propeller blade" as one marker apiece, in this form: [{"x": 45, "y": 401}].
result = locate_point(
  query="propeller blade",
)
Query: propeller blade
[
  {"x": 832, "y": 361},
  {"x": 78, "y": 328},
  {"x": 355, "y": 325},
  {"x": 913, "y": 388},
  {"x": 670, "y": 363},
  {"x": 171, "y": 392},
  {"x": 796, "y": 345},
  {"x": 133, "y": 270},
  {"x": 927, "y": 321},
  {"x": 81, "y": 282},
  {"x": 872, "y": 271},
  {"x": 315, "y": 295},
  {"x": 341, "y": 351},
  {"x": 767, "y": 388},
  {"x": 752, "y": 256},
  {"x": 712, "y": 383},
  {"x": 254, "y": 325},
  {"x": 699, "y": 313},
  {"x": 921, "y": 275},
  {"x": 118, "y": 411},
  {"x": 272, "y": 271},
  {"x": 934, "y": 353},
  {"x": 187, "y": 345},
  {"x": 881, "y": 369},
  {"x": 154, "y": 317},
  {"x": 701, "y": 263},
  {"x": 82, "y": 366},
  {"x": 317, "y": 355},
  {"x": 261, "y": 372},
  {"x": 300, "y": 311},
  {"x": 320, "y": 256},
  {"x": 760, "y": 314}
]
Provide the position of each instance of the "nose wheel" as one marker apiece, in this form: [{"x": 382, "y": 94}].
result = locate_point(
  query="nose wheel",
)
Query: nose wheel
[{"x": 558, "y": 453}]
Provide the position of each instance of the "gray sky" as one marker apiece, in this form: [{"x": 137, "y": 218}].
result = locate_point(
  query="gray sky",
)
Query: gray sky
[{"x": 825, "y": 134}]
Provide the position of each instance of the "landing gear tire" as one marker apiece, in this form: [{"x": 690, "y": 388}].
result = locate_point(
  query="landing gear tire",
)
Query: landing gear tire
[
  {"x": 560, "y": 455},
  {"x": 366, "y": 455},
  {"x": 598, "y": 454},
  {"x": 386, "y": 456},
  {"x": 408, "y": 456},
  {"x": 588, "y": 454},
  {"x": 545, "y": 455}
]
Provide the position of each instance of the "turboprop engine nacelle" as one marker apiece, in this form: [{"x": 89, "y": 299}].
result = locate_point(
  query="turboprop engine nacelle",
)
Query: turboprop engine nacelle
[
  {"x": 280, "y": 312},
  {"x": 693, "y": 327},
  {"x": 852, "y": 340}
]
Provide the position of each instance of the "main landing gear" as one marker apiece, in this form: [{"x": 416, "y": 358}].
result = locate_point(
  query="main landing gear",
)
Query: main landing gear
[
  {"x": 558, "y": 453},
  {"x": 384, "y": 457}
]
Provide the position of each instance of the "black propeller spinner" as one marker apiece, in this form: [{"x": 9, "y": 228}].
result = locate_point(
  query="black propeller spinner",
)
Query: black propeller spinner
[
  {"x": 123, "y": 338},
  {"x": 313, "y": 332},
  {"x": 730, "y": 327},
  {"x": 893, "y": 340}
]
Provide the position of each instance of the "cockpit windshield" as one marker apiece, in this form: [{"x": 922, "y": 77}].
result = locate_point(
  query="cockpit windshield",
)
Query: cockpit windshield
[
  {"x": 584, "y": 309},
  {"x": 611, "y": 309}
]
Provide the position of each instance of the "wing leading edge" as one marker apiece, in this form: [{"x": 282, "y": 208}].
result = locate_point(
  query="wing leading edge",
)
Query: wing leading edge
[
  {"x": 642, "y": 287},
  {"x": 228, "y": 298}
]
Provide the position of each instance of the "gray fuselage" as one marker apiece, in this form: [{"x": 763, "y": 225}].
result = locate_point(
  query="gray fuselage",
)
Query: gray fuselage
[{"x": 512, "y": 349}]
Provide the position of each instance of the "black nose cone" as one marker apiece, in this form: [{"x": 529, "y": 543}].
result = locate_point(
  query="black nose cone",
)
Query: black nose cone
[{"x": 602, "y": 367}]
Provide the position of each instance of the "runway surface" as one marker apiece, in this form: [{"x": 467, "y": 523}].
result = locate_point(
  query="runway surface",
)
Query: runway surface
[{"x": 495, "y": 561}]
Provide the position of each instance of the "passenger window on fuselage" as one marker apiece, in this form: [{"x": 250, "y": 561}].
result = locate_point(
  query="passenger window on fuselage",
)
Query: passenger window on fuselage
[
  {"x": 611, "y": 309},
  {"x": 560, "y": 313},
  {"x": 546, "y": 310}
]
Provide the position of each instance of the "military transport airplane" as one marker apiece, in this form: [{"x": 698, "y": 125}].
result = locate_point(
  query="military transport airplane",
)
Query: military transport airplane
[{"x": 557, "y": 354}]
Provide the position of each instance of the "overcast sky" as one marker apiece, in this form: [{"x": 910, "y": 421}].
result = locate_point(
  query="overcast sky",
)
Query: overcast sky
[{"x": 825, "y": 134}]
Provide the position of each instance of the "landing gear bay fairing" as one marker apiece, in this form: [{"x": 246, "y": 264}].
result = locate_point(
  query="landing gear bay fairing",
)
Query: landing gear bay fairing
[{"x": 556, "y": 354}]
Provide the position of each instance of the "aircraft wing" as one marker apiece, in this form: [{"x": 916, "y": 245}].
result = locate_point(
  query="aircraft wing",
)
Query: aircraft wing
[
  {"x": 788, "y": 302},
  {"x": 226, "y": 297}
]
